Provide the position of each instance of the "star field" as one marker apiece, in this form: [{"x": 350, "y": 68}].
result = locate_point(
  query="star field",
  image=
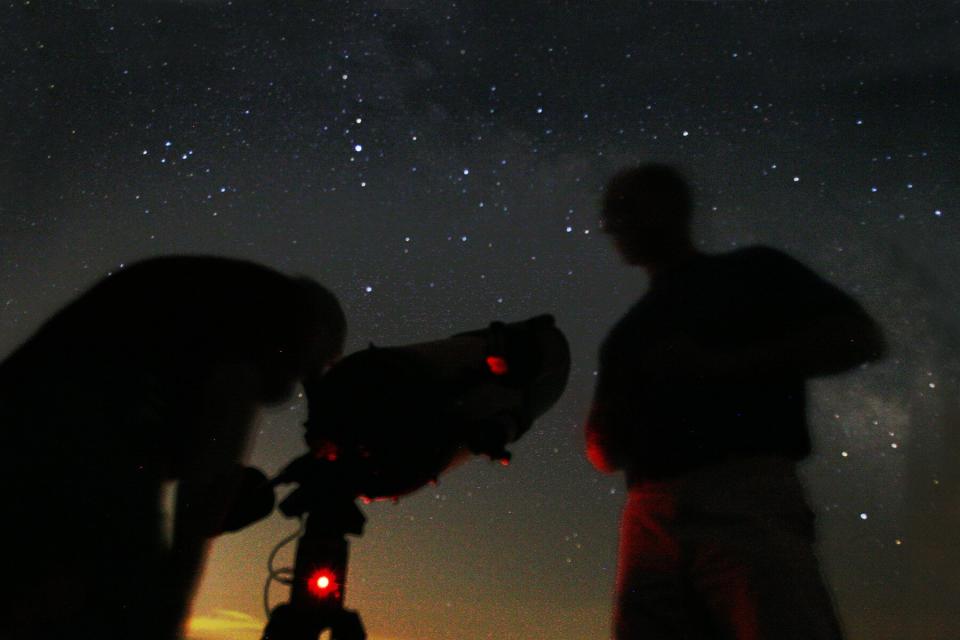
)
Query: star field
[{"x": 439, "y": 166}]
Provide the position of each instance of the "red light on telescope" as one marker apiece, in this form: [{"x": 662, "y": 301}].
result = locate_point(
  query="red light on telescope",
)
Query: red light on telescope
[
  {"x": 323, "y": 584},
  {"x": 325, "y": 451},
  {"x": 497, "y": 365}
]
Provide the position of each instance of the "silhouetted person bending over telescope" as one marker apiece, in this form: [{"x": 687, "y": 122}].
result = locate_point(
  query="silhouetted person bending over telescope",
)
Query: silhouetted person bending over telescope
[
  {"x": 700, "y": 399},
  {"x": 154, "y": 375}
]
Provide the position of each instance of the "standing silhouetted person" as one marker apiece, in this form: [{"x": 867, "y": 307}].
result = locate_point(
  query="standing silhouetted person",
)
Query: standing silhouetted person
[
  {"x": 701, "y": 400},
  {"x": 152, "y": 376}
]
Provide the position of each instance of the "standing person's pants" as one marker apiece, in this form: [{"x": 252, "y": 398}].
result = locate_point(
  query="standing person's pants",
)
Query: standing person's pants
[{"x": 724, "y": 552}]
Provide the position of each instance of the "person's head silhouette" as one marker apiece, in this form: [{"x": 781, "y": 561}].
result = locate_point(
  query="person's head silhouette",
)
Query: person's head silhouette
[
  {"x": 647, "y": 211},
  {"x": 307, "y": 334}
]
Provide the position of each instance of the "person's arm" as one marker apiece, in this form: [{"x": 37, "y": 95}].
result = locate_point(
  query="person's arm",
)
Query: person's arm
[
  {"x": 809, "y": 328},
  {"x": 209, "y": 473},
  {"x": 829, "y": 342},
  {"x": 819, "y": 329},
  {"x": 601, "y": 451},
  {"x": 605, "y": 449},
  {"x": 826, "y": 344}
]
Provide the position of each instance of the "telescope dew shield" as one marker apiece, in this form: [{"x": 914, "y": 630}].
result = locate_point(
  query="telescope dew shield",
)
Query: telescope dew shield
[
  {"x": 532, "y": 356},
  {"x": 397, "y": 417}
]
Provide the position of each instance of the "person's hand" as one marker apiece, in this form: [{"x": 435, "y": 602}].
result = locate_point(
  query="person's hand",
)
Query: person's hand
[{"x": 253, "y": 500}]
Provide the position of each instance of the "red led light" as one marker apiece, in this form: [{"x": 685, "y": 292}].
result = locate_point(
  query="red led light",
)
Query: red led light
[
  {"x": 323, "y": 584},
  {"x": 497, "y": 365},
  {"x": 325, "y": 451}
]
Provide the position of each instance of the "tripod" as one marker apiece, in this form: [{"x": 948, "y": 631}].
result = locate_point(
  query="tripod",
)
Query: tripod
[
  {"x": 385, "y": 421},
  {"x": 318, "y": 586}
]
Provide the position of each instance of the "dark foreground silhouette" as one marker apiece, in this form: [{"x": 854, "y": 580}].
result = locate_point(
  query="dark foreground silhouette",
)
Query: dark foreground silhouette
[
  {"x": 700, "y": 398},
  {"x": 384, "y": 422},
  {"x": 153, "y": 375}
]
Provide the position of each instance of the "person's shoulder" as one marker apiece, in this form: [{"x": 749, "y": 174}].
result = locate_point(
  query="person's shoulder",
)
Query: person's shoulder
[
  {"x": 759, "y": 253},
  {"x": 180, "y": 274},
  {"x": 769, "y": 267},
  {"x": 762, "y": 259},
  {"x": 193, "y": 263}
]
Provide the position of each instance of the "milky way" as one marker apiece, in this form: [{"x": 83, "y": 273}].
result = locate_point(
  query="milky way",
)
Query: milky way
[{"x": 438, "y": 165}]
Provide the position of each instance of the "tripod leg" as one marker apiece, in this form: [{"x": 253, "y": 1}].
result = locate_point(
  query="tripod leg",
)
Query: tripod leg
[
  {"x": 288, "y": 623},
  {"x": 348, "y": 627}
]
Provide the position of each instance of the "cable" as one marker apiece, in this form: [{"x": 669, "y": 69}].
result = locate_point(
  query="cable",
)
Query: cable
[{"x": 283, "y": 575}]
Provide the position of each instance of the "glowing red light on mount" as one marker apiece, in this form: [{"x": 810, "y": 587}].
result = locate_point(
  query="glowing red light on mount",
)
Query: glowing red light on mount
[
  {"x": 497, "y": 365},
  {"x": 323, "y": 584}
]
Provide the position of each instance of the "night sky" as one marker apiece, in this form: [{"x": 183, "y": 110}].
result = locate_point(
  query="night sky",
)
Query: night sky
[{"x": 438, "y": 165}]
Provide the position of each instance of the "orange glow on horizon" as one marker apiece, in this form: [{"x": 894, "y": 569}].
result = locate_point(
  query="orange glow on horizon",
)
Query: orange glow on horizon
[{"x": 224, "y": 624}]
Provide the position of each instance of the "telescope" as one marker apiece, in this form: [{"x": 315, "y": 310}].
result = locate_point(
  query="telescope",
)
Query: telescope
[{"x": 385, "y": 421}]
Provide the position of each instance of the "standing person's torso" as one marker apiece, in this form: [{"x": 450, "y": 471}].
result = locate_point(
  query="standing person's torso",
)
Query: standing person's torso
[{"x": 677, "y": 423}]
